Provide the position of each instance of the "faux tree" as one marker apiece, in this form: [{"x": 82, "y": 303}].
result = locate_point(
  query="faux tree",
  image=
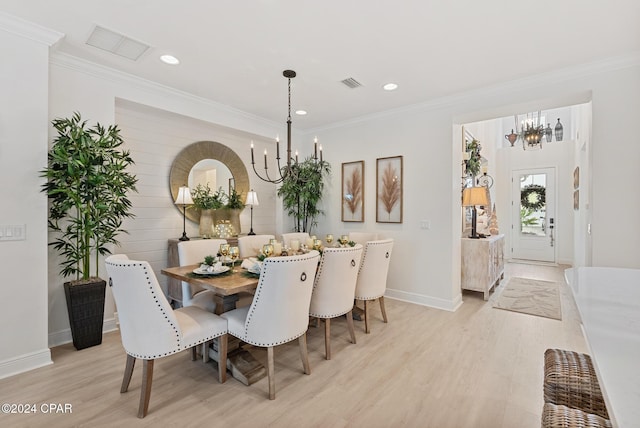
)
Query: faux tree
[
  {"x": 87, "y": 184},
  {"x": 301, "y": 192}
]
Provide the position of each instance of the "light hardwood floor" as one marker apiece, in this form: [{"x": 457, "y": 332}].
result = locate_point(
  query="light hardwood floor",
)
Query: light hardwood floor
[{"x": 476, "y": 367}]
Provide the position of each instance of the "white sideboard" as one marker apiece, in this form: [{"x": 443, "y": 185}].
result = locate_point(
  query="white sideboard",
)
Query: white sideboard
[{"x": 482, "y": 263}]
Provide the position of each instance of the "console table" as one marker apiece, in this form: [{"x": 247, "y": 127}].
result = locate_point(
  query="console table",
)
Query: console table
[
  {"x": 482, "y": 263},
  {"x": 174, "y": 286}
]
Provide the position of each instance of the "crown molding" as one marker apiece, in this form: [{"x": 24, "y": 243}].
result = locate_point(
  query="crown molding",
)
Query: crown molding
[
  {"x": 29, "y": 30},
  {"x": 116, "y": 76},
  {"x": 628, "y": 60}
]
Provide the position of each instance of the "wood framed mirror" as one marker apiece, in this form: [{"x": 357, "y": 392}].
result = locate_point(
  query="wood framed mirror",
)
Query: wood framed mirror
[{"x": 196, "y": 152}]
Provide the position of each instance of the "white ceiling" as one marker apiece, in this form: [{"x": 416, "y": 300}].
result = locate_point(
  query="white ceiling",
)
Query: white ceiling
[{"x": 233, "y": 52}]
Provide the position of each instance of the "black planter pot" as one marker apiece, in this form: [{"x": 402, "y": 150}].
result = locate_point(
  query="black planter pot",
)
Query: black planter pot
[{"x": 85, "y": 304}]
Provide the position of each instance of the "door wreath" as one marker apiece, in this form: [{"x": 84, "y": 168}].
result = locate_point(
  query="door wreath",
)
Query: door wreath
[{"x": 533, "y": 197}]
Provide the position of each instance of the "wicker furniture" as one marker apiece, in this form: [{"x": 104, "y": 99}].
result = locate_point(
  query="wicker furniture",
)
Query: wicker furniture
[
  {"x": 554, "y": 416},
  {"x": 570, "y": 380}
]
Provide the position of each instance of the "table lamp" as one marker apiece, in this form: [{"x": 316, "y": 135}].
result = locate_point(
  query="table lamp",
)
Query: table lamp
[
  {"x": 472, "y": 196},
  {"x": 184, "y": 199},
  {"x": 252, "y": 199}
]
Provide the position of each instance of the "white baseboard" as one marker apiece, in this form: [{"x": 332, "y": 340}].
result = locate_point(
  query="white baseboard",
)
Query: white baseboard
[
  {"x": 61, "y": 337},
  {"x": 24, "y": 363},
  {"x": 420, "y": 299}
]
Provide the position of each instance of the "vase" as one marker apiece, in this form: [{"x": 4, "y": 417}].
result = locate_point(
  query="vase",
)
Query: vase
[
  {"x": 548, "y": 133},
  {"x": 559, "y": 131},
  {"x": 206, "y": 223}
]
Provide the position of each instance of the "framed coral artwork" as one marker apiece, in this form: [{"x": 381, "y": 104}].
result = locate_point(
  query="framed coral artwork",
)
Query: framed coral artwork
[
  {"x": 389, "y": 190},
  {"x": 353, "y": 191}
]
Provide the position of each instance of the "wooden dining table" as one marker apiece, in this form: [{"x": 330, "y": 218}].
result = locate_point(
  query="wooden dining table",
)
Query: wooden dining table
[{"x": 226, "y": 287}]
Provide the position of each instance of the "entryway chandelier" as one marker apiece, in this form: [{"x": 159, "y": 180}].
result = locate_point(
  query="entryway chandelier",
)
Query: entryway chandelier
[
  {"x": 530, "y": 131},
  {"x": 287, "y": 170}
]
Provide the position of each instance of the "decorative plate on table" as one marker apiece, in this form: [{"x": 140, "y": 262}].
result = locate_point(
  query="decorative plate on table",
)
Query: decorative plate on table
[{"x": 200, "y": 271}]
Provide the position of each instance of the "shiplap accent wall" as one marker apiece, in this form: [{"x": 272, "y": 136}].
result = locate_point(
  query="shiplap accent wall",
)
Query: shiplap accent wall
[{"x": 155, "y": 137}]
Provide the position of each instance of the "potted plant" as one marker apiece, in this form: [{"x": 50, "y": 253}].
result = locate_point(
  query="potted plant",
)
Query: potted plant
[
  {"x": 207, "y": 201},
  {"x": 231, "y": 210},
  {"x": 301, "y": 192},
  {"x": 87, "y": 185}
]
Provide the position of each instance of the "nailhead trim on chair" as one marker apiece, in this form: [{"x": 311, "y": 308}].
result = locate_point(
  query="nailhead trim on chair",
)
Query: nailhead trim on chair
[
  {"x": 256, "y": 298},
  {"x": 364, "y": 256},
  {"x": 353, "y": 264},
  {"x": 181, "y": 346}
]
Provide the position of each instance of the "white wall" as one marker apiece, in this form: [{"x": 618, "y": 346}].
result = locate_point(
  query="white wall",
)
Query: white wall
[
  {"x": 154, "y": 135},
  {"x": 23, "y": 153},
  {"x": 425, "y": 265}
]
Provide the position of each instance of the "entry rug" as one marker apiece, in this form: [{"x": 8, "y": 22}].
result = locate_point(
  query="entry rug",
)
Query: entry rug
[{"x": 531, "y": 296}]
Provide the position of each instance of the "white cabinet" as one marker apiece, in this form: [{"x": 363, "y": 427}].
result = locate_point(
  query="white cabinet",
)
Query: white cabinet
[{"x": 482, "y": 263}]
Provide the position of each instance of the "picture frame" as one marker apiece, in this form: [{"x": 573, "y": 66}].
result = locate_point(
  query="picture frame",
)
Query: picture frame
[
  {"x": 389, "y": 187},
  {"x": 353, "y": 191},
  {"x": 576, "y": 200},
  {"x": 576, "y": 177}
]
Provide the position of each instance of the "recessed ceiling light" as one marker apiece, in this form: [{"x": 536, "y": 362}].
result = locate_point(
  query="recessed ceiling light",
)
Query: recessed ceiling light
[
  {"x": 390, "y": 87},
  {"x": 301, "y": 112},
  {"x": 170, "y": 59}
]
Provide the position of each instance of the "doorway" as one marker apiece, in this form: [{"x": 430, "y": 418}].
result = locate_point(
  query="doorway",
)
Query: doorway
[{"x": 533, "y": 214}]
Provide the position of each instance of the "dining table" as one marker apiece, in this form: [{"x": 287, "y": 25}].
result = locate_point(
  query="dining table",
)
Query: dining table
[{"x": 226, "y": 288}]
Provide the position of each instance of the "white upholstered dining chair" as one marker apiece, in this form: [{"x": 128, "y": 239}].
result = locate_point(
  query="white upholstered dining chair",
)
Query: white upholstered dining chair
[
  {"x": 193, "y": 252},
  {"x": 279, "y": 312},
  {"x": 372, "y": 276},
  {"x": 251, "y": 246},
  {"x": 334, "y": 289},
  {"x": 300, "y": 236},
  {"x": 151, "y": 329}
]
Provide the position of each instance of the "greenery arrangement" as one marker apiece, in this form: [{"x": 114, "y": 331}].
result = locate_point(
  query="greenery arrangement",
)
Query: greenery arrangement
[
  {"x": 301, "y": 192},
  {"x": 205, "y": 199},
  {"x": 533, "y": 197},
  {"x": 472, "y": 165},
  {"x": 87, "y": 185}
]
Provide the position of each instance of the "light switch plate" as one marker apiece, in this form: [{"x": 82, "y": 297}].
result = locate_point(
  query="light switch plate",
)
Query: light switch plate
[{"x": 13, "y": 232}]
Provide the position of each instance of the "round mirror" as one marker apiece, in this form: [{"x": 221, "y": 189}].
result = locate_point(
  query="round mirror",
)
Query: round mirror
[{"x": 197, "y": 158}]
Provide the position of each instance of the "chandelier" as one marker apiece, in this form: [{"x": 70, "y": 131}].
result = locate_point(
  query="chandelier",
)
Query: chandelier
[
  {"x": 287, "y": 170},
  {"x": 531, "y": 132}
]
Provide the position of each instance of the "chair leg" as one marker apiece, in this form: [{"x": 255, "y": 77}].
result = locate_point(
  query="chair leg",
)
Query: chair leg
[
  {"x": 382, "y": 309},
  {"x": 194, "y": 353},
  {"x": 304, "y": 355},
  {"x": 352, "y": 330},
  {"x": 128, "y": 371},
  {"x": 271, "y": 374},
  {"x": 205, "y": 351},
  {"x": 327, "y": 338},
  {"x": 222, "y": 358},
  {"x": 145, "y": 391},
  {"x": 366, "y": 317}
]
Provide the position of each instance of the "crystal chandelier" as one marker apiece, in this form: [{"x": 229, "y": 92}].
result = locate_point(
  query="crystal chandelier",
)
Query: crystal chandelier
[{"x": 287, "y": 170}]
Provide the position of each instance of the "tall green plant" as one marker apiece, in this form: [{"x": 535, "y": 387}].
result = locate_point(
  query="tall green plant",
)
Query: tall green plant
[
  {"x": 87, "y": 184},
  {"x": 301, "y": 192}
]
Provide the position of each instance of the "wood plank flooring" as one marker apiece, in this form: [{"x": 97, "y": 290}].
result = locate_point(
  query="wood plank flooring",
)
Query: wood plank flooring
[{"x": 477, "y": 367}]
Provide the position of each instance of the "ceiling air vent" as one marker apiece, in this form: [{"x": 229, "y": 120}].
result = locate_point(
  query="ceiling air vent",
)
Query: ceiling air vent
[
  {"x": 351, "y": 82},
  {"x": 116, "y": 43}
]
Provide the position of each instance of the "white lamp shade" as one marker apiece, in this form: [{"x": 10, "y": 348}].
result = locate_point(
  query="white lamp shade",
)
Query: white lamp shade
[
  {"x": 184, "y": 196},
  {"x": 472, "y": 196},
  {"x": 252, "y": 199}
]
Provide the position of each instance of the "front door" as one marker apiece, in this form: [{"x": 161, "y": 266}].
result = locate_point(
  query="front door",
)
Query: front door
[{"x": 533, "y": 214}]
